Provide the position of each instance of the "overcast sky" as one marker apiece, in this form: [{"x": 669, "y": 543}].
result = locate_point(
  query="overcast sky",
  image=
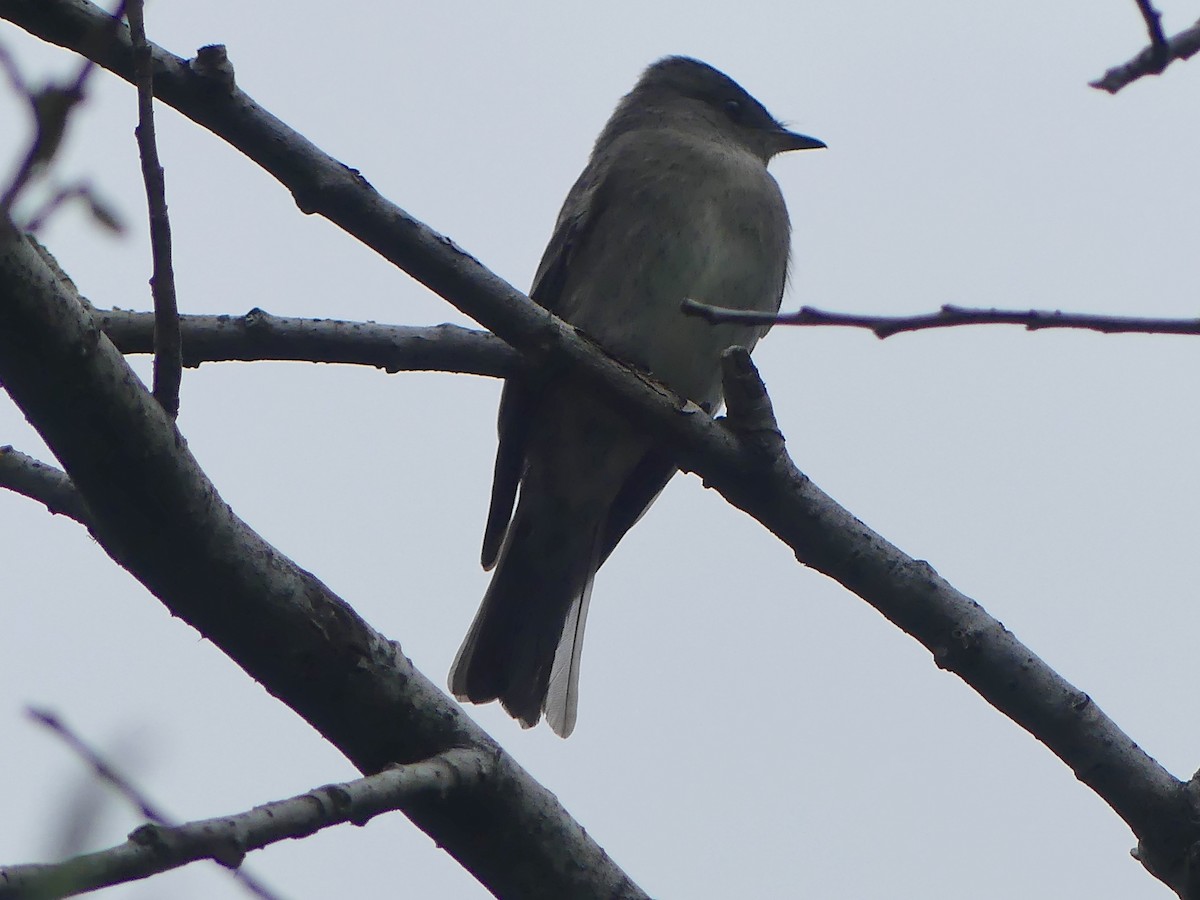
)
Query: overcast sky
[{"x": 747, "y": 728}]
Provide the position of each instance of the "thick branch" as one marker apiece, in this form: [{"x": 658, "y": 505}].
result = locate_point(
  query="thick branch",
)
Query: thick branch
[
  {"x": 1151, "y": 61},
  {"x": 158, "y": 848},
  {"x": 156, "y": 513},
  {"x": 949, "y": 317},
  {"x": 258, "y": 335}
]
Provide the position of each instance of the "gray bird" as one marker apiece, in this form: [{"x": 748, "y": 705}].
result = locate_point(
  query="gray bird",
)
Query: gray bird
[{"x": 676, "y": 202}]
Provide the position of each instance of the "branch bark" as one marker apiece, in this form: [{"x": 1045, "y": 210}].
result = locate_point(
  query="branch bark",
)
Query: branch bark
[
  {"x": 258, "y": 335},
  {"x": 39, "y": 481},
  {"x": 168, "y": 352},
  {"x": 1151, "y": 61}
]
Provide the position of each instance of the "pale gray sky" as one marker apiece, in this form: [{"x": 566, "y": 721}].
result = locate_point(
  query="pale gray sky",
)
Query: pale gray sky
[{"x": 747, "y": 727}]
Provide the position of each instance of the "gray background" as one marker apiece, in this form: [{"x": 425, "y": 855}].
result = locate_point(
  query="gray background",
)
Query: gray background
[{"x": 747, "y": 727}]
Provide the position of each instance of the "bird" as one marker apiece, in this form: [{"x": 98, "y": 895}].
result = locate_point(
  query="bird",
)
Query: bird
[{"x": 675, "y": 203}]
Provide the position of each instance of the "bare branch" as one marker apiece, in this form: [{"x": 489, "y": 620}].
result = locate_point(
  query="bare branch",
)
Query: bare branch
[
  {"x": 156, "y": 514},
  {"x": 1153, "y": 20},
  {"x": 1153, "y": 59},
  {"x": 40, "y": 481},
  {"x": 749, "y": 412},
  {"x": 51, "y": 109},
  {"x": 258, "y": 335},
  {"x": 104, "y": 770},
  {"x": 156, "y": 848},
  {"x": 13, "y": 73},
  {"x": 100, "y": 211},
  {"x": 168, "y": 351},
  {"x": 52, "y": 106},
  {"x": 64, "y": 879},
  {"x": 949, "y": 317}
]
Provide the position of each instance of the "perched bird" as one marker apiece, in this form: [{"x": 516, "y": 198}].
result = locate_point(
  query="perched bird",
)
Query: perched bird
[{"x": 675, "y": 203}]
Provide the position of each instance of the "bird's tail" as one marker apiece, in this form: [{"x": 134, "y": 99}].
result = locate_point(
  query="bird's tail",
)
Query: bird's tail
[{"x": 524, "y": 646}]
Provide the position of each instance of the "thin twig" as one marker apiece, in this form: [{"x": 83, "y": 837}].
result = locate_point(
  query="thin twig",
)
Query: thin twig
[
  {"x": 51, "y": 107},
  {"x": 1154, "y": 29},
  {"x": 168, "y": 348},
  {"x": 154, "y": 848},
  {"x": 101, "y": 211},
  {"x": 61, "y": 197},
  {"x": 127, "y": 789},
  {"x": 949, "y": 317},
  {"x": 13, "y": 73},
  {"x": 103, "y": 769},
  {"x": 1152, "y": 60}
]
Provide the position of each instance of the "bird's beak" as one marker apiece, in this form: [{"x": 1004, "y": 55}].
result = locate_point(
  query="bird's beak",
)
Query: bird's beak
[{"x": 790, "y": 140}]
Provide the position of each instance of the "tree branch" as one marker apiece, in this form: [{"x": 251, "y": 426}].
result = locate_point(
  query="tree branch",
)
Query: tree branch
[
  {"x": 42, "y": 482},
  {"x": 948, "y": 317},
  {"x": 155, "y": 848},
  {"x": 168, "y": 352},
  {"x": 1153, "y": 19},
  {"x": 52, "y": 107},
  {"x": 154, "y": 511},
  {"x": 258, "y": 335},
  {"x": 68, "y": 878},
  {"x": 103, "y": 769},
  {"x": 1152, "y": 60}
]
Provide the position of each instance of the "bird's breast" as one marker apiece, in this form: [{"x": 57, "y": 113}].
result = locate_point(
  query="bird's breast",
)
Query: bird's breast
[{"x": 712, "y": 229}]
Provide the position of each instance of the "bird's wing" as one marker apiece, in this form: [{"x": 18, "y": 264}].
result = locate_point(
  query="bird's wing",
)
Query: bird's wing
[
  {"x": 519, "y": 399},
  {"x": 640, "y": 489},
  {"x": 520, "y": 394}
]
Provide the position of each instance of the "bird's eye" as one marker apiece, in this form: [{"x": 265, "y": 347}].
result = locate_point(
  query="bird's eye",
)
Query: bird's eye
[{"x": 734, "y": 109}]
